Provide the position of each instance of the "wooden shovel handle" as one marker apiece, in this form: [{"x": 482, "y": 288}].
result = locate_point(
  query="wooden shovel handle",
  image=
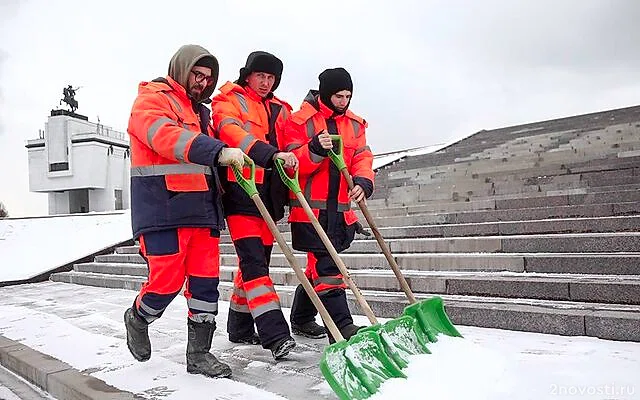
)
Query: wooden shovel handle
[
  {"x": 336, "y": 258},
  {"x": 383, "y": 245},
  {"x": 288, "y": 253}
]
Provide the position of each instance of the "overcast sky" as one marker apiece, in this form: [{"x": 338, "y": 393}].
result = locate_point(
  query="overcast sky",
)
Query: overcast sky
[{"x": 424, "y": 72}]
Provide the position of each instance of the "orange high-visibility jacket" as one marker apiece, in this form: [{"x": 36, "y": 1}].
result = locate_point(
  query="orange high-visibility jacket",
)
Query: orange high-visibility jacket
[
  {"x": 172, "y": 180},
  {"x": 241, "y": 118},
  {"x": 300, "y": 128}
]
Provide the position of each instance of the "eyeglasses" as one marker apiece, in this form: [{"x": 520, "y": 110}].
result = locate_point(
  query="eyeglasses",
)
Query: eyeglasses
[{"x": 200, "y": 77}]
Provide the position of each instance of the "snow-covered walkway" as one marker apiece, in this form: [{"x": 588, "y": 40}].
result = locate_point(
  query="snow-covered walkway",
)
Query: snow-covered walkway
[{"x": 83, "y": 327}]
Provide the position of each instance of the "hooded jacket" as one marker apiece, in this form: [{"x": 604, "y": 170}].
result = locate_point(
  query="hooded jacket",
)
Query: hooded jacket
[
  {"x": 173, "y": 154},
  {"x": 243, "y": 119},
  {"x": 322, "y": 188}
]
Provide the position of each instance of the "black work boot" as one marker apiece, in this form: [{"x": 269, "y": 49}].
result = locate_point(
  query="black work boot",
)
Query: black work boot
[
  {"x": 309, "y": 329},
  {"x": 137, "y": 335},
  {"x": 252, "y": 339},
  {"x": 303, "y": 309},
  {"x": 282, "y": 347},
  {"x": 346, "y": 331},
  {"x": 199, "y": 360}
]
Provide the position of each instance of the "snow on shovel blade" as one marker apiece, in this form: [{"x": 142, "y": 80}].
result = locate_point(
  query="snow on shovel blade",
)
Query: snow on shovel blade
[
  {"x": 355, "y": 369},
  {"x": 432, "y": 318},
  {"x": 406, "y": 337},
  {"x": 401, "y": 337}
]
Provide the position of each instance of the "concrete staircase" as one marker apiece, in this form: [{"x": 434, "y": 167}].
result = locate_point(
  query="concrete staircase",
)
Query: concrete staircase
[{"x": 533, "y": 228}]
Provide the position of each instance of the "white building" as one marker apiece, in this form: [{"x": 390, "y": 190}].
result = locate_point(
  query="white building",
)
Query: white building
[{"x": 83, "y": 166}]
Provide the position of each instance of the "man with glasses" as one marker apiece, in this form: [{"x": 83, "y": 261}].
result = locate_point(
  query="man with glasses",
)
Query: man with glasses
[
  {"x": 176, "y": 210},
  {"x": 247, "y": 115}
]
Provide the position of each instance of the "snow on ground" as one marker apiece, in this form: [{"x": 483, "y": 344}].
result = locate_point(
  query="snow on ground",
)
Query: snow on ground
[
  {"x": 83, "y": 327},
  {"x": 31, "y": 246},
  {"x": 486, "y": 364},
  {"x": 495, "y": 364},
  {"x": 15, "y": 387},
  {"x": 87, "y": 341},
  {"x": 6, "y": 394}
]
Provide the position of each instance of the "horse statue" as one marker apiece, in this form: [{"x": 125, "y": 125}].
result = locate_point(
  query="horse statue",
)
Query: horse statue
[{"x": 69, "y": 94}]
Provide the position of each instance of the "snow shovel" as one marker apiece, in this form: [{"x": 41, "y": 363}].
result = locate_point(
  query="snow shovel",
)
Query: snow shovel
[
  {"x": 372, "y": 355},
  {"x": 249, "y": 186},
  {"x": 354, "y": 369},
  {"x": 430, "y": 314}
]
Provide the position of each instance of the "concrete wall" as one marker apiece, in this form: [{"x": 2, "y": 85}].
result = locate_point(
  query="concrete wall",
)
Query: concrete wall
[
  {"x": 58, "y": 203},
  {"x": 98, "y": 165}
]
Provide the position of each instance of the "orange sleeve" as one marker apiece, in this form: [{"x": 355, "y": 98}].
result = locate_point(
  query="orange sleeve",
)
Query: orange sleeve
[
  {"x": 362, "y": 161},
  {"x": 154, "y": 124},
  {"x": 295, "y": 139},
  {"x": 227, "y": 121}
]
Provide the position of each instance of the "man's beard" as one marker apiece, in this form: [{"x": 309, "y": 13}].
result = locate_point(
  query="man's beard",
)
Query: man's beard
[{"x": 196, "y": 94}]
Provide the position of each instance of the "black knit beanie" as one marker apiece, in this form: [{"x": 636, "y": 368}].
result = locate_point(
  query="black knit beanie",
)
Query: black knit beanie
[{"x": 332, "y": 81}]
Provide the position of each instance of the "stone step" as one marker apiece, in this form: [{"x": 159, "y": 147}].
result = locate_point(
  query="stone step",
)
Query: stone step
[
  {"x": 454, "y": 191},
  {"x": 112, "y": 268},
  {"x": 502, "y": 228},
  {"x": 224, "y": 238},
  {"x": 607, "y": 321},
  {"x": 100, "y": 280},
  {"x": 575, "y": 287},
  {"x": 578, "y": 263},
  {"x": 510, "y": 172},
  {"x": 587, "y": 288},
  {"x": 525, "y": 214},
  {"x": 430, "y": 207},
  {"x": 442, "y": 261},
  {"x": 582, "y": 243},
  {"x": 616, "y": 196},
  {"x": 570, "y": 200},
  {"x": 559, "y": 225},
  {"x": 603, "y": 164}
]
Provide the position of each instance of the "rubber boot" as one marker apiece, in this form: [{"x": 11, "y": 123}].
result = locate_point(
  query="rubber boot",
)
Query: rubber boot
[
  {"x": 137, "y": 335},
  {"x": 309, "y": 329},
  {"x": 199, "y": 360}
]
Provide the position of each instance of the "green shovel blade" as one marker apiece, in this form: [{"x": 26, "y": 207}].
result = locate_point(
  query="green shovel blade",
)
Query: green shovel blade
[
  {"x": 356, "y": 369},
  {"x": 406, "y": 336},
  {"x": 432, "y": 318},
  {"x": 335, "y": 369}
]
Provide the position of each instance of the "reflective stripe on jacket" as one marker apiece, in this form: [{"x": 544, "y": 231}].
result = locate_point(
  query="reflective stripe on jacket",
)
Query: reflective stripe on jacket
[{"x": 172, "y": 180}]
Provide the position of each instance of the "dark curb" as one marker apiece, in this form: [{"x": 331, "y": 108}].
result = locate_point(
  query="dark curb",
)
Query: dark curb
[{"x": 54, "y": 376}]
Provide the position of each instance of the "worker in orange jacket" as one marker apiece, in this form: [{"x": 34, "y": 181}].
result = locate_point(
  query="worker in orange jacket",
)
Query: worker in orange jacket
[
  {"x": 176, "y": 208},
  {"x": 323, "y": 113},
  {"x": 246, "y": 114}
]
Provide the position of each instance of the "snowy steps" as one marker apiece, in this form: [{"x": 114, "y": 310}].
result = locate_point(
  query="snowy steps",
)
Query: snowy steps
[
  {"x": 608, "y": 321},
  {"x": 577, "y": 263},
  {"x": 517, "y": 172},
  {"x": 532, "y": 200},
  {"x": 622, "y": 289},
  {"x": 534, "y": 243}
]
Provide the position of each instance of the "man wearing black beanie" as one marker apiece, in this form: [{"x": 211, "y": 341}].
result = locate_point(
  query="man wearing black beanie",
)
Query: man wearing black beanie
[
  {"x": 333, "y": 81},
  {"x": 307, "y": 133},
  {"x": 246, "y": 114}
]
